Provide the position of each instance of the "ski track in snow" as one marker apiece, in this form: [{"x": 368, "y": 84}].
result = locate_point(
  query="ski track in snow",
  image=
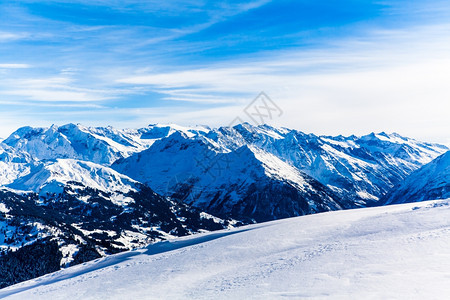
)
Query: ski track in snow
[{"x": 394, "y": 252}]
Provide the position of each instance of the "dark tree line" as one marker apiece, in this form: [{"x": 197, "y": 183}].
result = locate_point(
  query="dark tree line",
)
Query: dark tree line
[{"x": 37, "y": 259}]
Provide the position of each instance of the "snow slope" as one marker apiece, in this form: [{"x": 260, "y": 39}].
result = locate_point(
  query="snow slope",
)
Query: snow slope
[
  {"x": 53, "y": 176},
  {"x": 392, "y": 252},
  {"x": 432, "y": 181},
  {"x": 13, "y": 164}
]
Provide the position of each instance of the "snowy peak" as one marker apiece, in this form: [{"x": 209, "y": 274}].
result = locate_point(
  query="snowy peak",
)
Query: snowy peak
[
  {"x": 102, "y": 145},
  {"x": 99, "y": 145},
  {"x": 432, "y": 181},
  {"x": 51, "y": 177},
  {"x": 261, "y": 133},
  {"x": 398, "y": 146},
  {"x": 169, "y": 129},
  {"x": 360, "y": 169}
]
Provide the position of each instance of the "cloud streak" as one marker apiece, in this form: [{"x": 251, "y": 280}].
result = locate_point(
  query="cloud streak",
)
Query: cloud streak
[{"x": 14, "y": 66}]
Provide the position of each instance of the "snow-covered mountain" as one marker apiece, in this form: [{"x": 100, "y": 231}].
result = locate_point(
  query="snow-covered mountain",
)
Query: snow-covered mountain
[
  {"x": 391, "y": 252},
  {"x": 98, "y": 145},
  {"x": 52, "y": 177},
  {"x": 248, "y": 172},
  {"x": 217, "y": 170},
  {"x": 75, "y": 193},
  {"x": 102, "y": 145},
  {"x": 243, "y": 183},
  {"x": 13, "y": 164},
  {"x": 431, "y": 181},
  {"x": 359, "y": 169}
]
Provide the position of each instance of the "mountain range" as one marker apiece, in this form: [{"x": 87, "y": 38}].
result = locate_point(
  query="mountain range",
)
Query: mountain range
[{"x": 92, "y": 191}]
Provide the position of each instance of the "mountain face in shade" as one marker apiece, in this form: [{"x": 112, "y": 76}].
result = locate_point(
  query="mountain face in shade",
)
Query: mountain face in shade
[
  {"x": 358, "y": 169},
  {"x": 243, "y": 183},
  {"x": 432, "y": 181}
]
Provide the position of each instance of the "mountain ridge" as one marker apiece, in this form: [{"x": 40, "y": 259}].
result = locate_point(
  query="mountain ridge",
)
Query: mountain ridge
[{"x": 430, "y": 181}]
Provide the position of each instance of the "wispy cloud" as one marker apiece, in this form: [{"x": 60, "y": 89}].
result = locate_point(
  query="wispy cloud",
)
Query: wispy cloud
[
  {"x": 14, "y": 66},
  {"x": 51, "y": 89},
  {"x": 11, "y": 36},
  {"x": 64, "y": 88},
  {"x": 50, "y": 104}
]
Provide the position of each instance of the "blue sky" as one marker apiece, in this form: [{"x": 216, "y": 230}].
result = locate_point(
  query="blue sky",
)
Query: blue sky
[{"x": 332, "y": 66}]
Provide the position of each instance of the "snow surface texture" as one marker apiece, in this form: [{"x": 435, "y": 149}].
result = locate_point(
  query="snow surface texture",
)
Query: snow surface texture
[{"x": 393, "y": 252}]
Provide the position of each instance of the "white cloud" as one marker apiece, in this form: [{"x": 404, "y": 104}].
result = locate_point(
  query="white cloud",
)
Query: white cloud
[
  {"x": 11, "y": 36},
  {"x": 14, "y": 66},
  {"x": 55, "y": 89}
]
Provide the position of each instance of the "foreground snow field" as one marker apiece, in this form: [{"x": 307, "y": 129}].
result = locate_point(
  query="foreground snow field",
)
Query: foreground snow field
[{"x": 400, "y": 251}]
